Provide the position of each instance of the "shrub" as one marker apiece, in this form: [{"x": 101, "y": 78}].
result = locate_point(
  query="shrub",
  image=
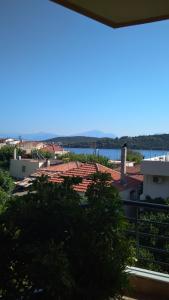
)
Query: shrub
[
  {"x": 134, "y": 156},
  {"x": 52, "y": 247}
]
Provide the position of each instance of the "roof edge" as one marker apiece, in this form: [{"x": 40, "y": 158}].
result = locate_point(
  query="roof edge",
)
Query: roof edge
[{"x": 105, "y": 21}]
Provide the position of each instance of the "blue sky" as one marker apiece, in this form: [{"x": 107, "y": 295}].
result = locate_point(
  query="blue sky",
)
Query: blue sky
[{"x": 63, "y": 73}]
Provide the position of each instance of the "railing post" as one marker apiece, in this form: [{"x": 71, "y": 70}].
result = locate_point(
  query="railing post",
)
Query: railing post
[{"x": 137, "y": 232}]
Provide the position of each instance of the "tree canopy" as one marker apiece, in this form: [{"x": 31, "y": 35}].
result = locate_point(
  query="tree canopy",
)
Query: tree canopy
[
  {"x": 86, "y": 158},
  {"x": 52, "y": 247},
  {"x": 42, "y": 153},
  {"x": 152, "y": 243},
  {"x": 6, "y": 153},
  {"x": 134, "y": 156},
  {"x": 6, "y": 182}
]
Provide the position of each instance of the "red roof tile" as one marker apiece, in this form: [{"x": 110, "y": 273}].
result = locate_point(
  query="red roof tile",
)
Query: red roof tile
[
  {"x": 32, "y": 143},
  {"x": 131, "y": 170},
  {"x": 52, "y": 148},
  {"x": 84, "y": 170},
  {"x": 57, "y": 169}
]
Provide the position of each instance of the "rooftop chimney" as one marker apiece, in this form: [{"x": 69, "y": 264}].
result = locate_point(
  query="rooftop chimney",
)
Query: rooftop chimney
[
  {"x": 123, "y": 163},
  {"x": 47, "y": 163},
  {"x": 14, "y": 153}
]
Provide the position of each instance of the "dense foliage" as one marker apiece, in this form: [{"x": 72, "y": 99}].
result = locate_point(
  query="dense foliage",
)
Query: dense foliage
[
  {"x": 40, "y": 153},
  {"x": 6, "y": 182},
  {"x": 6, "y": 153},
  {"x": 6, "y": 188},
  {"x": 157, "y": 141},
  {"x": 156, "y": 226},
  {"x": 134, "y": 156},
  {"x": 86, "y": 158},
  {"x": 52, "y": 247},
  {"x": 152, "y": 238}
]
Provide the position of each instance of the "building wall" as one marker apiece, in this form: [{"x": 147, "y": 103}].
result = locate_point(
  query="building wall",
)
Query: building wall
[
  {"x": 130, "y": 194},
  {"x": 24, "y": 167},
  {"x": 150, "y": 167},
  {"x": 29, "y": 146},
  {"x": 130, "y": 211},
  {"x": 155, "y": 190}
]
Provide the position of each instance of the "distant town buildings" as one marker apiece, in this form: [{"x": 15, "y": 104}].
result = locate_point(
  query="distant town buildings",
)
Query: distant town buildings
[
  {"x": 127, "y": 180},
  {"x": 54, "y": 149},
  {"x": 132, "y": 182},
  {"x": 29, "y": 146},
  {"x": 7, "y": 141},
  {"x": 151, "y": 180}
]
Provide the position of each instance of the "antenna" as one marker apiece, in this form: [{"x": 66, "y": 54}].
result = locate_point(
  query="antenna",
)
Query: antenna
[
  {"x": 94, "y": 148},
  {"x": 20, "y": 138},
  {"x": 37, "y": 155}
]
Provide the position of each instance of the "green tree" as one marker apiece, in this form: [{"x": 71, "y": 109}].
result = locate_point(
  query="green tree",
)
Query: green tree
[
  {"x": 107, "y": 233},
  {"x": 6, "y": 153},
  {"x": 155, "y": 225},
  {"x": 6, "y": 182},
  {"x": 86, "y": 158},
  {"x": 52, "y": 247},
  {"x": 4, "y": 197},
  {"x": 134, "y": 156},
  {"x": 152, "y": 243},
  {"x": 43, "y": 154}
]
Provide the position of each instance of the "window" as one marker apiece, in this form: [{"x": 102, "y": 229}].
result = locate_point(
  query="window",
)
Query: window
[{"x": 157, "y": 179}]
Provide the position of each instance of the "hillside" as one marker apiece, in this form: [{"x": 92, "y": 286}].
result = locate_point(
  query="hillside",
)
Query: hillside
[{"x": 157, "y": 141}]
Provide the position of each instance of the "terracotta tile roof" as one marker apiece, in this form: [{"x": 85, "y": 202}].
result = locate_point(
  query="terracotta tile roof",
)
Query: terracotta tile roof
[
  {"x": 32, "y": 143},
  {"x": 131, "y": 170},
  {"x": 134, "y": 177},
  {"x": 52, "y": 148},
  {"x": 81, "y": 187},
  {"x": 131, "y": 182},
  {"x": 57, "y": 169},
  {"x": 84, "y": 170}
]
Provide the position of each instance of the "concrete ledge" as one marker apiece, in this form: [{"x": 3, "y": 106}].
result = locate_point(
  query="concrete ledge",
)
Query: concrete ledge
[
  {"x": 148, "y": 274},
  {"x": 148, "y": 284}
]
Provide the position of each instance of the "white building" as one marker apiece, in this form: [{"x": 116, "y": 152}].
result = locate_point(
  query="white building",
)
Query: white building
[
  {"x": 28, "y": 146},
  {"x": 12, "y": 142},
  {"x": 156, "y": 177},
  {"x": 118, "y": 163},
  {"x": 21, "y": 168}
]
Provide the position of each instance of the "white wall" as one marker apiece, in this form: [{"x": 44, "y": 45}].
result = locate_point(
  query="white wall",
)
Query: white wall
[
  {"x": 155, "y": 190},
  {"x": 24, "y": 167},
  {"x": 125, "y": 195},
  {"x": 29, "y": 146}
]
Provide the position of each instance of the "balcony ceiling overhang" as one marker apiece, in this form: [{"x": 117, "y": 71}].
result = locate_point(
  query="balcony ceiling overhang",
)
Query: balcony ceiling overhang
[{"x": 120, "y": 13}]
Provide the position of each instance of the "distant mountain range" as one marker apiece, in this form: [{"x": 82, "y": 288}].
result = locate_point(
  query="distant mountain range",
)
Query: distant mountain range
[
  {"x": 98, "y": 139},
  {"x": 96, "y": 133},
  {"x": 156, "y": 142},
  {"x": 40, "y": 136}
]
